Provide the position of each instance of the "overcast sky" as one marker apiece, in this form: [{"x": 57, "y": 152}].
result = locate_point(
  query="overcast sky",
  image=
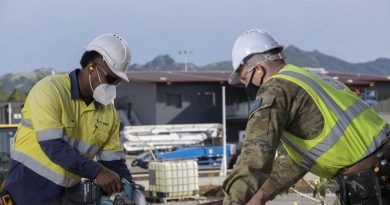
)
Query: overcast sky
[{"x": 53, "y": 34}]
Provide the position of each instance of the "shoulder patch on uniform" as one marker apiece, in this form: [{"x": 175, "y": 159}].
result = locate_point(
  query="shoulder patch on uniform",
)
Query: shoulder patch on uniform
[
  {"x": 261, "y": 103},
  {"x": 256, "y": 104}
]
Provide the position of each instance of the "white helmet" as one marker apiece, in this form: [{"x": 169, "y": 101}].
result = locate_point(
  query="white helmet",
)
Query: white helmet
[
  {"x": 248, "y": 43},
  {"x": 115, "y": 52}
]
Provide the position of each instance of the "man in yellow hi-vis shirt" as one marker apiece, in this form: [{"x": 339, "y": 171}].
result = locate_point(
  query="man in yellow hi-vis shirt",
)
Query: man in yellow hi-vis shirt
[
  {"x": 325, "y": 128},
  {"x": 67, "y": 121}
]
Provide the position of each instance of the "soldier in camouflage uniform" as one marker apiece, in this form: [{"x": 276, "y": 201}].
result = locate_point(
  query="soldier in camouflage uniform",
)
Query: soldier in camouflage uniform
[{"x": 282, "y": 105}]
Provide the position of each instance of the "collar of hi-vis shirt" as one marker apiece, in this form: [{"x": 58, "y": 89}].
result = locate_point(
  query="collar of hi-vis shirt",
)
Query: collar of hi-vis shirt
[
  {"x": 75, "y": 89},
  {"x": 283, "y": 67}
]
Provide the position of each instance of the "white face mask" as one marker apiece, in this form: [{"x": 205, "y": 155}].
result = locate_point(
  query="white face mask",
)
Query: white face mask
[{"x": 103, "y": 93}]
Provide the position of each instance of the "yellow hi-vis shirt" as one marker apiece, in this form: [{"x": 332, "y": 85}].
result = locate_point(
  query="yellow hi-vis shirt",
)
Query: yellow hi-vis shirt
[
  {"x": 352, "y": 130},
  {"x": 54, "y": 110}
]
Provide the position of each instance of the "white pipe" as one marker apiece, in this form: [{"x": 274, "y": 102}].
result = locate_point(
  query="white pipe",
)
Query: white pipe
[
  {"x": 9, "y": 113},
  {"x": 224, "y": 159}
]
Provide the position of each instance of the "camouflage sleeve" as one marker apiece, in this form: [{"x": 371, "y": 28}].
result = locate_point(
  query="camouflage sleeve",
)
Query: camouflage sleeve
[
  {"x": 255, "y": 161},
  {"x": 268, "y": 118},
  {"x": 265, "y": 126},
  {"x": 285, "y": 173}
]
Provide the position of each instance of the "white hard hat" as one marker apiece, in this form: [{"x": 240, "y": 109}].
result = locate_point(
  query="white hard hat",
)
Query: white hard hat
[
  {"x": 115, "y": 52},
  {"x": 248, "y": 43}
]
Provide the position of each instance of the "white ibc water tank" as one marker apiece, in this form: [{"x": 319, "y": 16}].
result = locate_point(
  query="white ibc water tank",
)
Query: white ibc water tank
[{"x": 177, "y": 178}]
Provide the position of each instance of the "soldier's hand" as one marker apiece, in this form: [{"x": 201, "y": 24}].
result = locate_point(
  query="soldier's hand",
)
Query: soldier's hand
[
  {"x": 260, "y": 198},
  {"x": 109, "y": 181}
]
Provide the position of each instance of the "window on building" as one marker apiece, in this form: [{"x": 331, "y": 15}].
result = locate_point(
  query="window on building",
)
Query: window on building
[
  {"x": 206, "y": 99},
  {"x": 174, "y": 100}
]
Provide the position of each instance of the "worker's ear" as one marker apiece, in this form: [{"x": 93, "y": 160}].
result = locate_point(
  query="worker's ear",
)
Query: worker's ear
[
  {"x": 91, "y": 68},
  {"x": 259, "y": 69}
]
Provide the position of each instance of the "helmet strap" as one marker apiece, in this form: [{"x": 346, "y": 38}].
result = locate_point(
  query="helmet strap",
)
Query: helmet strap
[
  {"x": 252, "y": 75},
  {"x": 252, "y": 89},
  {"x": 263, "y": 76}
]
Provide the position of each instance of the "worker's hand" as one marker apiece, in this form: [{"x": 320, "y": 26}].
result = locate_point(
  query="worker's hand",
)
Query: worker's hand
[
  {"x": 258, "y": 199},
  {"x": 109, "y": 181}
]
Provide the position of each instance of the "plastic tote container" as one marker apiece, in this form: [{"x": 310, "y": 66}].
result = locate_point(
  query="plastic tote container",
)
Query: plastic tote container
[{"x": 177, "y": 178}]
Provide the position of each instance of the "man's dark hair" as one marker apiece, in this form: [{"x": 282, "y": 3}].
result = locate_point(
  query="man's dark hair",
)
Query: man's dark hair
[{"x": 89, "y": 56}]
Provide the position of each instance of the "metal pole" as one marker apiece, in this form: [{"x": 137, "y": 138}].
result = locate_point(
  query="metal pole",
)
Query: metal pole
[
  {"x": 185, "y": 61},
  {"x": 9, "y": 113},
  {"x": 224, "y": 158}
]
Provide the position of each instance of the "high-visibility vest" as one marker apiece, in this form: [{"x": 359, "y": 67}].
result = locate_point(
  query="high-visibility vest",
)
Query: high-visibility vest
[{"x": 352, "y": 130}]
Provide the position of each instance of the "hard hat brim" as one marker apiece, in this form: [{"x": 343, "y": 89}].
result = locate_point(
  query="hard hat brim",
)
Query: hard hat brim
[
  {"x": 121, "y": 75},
  {"x": 234, "y": 78}
]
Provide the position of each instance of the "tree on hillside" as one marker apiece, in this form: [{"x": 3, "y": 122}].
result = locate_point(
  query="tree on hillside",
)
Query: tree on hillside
[
  {"x": 3, "y": 95},
  {"x": 161, "y": 62},
  {"x": 16, "y": 96}
]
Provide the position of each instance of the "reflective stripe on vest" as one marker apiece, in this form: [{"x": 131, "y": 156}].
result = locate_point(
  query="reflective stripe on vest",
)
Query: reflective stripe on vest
[
  {"x": 51, "y": 134},
  {"x": 110, "y": 155},
  {"x": 26, "y": 123},
  {"x": 81, "y": 147},
  {"x": 344, "y": 118},
  {"x": 42, "y": 170}
]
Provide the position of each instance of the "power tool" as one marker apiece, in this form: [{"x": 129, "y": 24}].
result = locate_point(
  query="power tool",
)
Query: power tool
[
  {"x": 93, "y": 195},
  {"x": 5, "y": 198}
]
